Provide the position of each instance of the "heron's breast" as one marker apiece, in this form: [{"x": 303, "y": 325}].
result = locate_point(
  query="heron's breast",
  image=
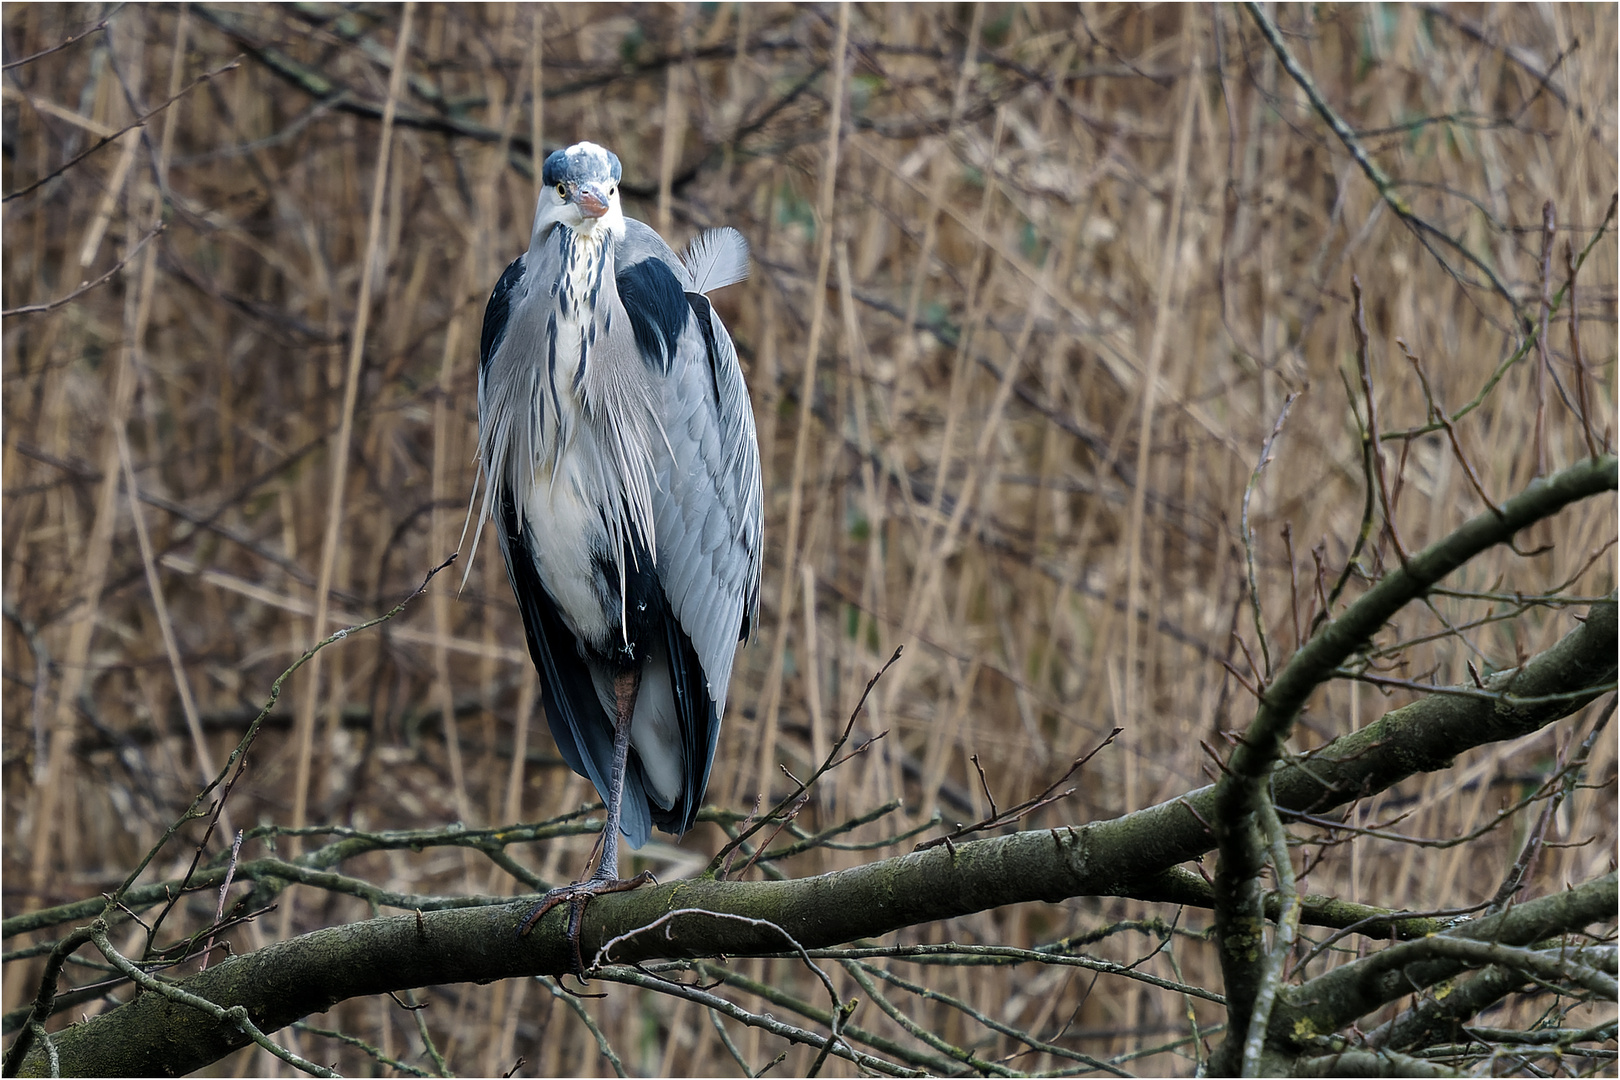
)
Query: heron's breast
[{"x": 578, "y": 507}]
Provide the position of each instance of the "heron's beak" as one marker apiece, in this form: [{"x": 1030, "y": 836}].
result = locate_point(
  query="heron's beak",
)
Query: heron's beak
[{"x": 590, "y": 200}]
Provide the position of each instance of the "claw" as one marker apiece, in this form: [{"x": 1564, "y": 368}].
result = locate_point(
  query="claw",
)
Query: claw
[{"x": 576, "y": 896}]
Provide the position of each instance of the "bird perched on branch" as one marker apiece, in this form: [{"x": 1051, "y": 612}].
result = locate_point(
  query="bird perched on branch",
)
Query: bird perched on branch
[{"x": 620, "y": 465}]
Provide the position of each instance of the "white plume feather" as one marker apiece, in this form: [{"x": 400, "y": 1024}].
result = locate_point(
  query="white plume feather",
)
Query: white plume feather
[{"x": 714, "y": 259}]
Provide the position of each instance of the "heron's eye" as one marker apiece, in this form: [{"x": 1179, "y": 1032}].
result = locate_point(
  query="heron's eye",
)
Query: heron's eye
[{"x": 562, "y": 192}]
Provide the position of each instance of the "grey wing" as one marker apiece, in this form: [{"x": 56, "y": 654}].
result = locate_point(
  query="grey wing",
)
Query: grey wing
[{"x": 707, "y": 502}]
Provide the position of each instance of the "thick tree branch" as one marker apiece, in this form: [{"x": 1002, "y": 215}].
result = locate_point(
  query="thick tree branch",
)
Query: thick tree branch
[
  {"x": 1436, "y": 1014},
  {"x": 1179, "y": 885},
  {"x": 1242, "y": 793},
  {"x": 1329, "y": 1001},
  {"x": 1365, "y": 1063}
]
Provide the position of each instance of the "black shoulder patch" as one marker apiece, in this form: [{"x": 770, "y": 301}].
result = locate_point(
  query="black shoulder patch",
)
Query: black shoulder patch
[
  {"x": 656, "y": 303},
  {"x": 498, "y": 310}
]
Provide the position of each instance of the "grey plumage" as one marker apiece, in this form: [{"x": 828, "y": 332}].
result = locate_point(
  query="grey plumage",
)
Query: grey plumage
[
  {"x": 715, "y": 259},
  {"x": 619, "y": 462}
]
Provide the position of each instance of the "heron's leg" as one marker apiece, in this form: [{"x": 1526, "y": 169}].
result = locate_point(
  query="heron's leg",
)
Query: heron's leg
[{"x": 626, "y": 685}]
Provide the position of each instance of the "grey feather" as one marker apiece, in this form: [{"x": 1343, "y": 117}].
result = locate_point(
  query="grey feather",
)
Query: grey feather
[
  {"x": 716, "y": 258},
  {"x": 712, "y": 475}
]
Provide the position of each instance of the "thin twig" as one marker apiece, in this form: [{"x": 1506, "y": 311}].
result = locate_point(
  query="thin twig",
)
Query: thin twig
[
  {"x": 1549, "y": 229},
  {"x": 225, "y": 887},
  {"x": 996, "y": 955},
  {"x": 1293, "y": 581},
  {"x": 1248, "y": 536},
  {"x": 1352, "y": 143},
  {"x": 1358, "y": 323},
  {"x": 763, "y": 1021},
  {"x": 859, "y": 972},
  {"x": 787, "y": 818},
  {"x": 1570, "y": 769},
  {"x": 1028, "y": 806},
  {"x": 725, "y": 1041},
  {"x": 990, "y": 1022},
  {"x": 52, "y": 305},
  {"x": 1505, "y": 697},
  {"x": 984, "y": 784},
  {"x": 363, "y": 1046},
  {"x": 1570, "y": 268},
  {"x": 603, "y": 1047},
  {"x": 64, "y": 43},
  {"x": 840, "y": 1010},
  {"x": 723, "y": 856},
  {"x": 1369, "y": 509},
  {"x": 1524, "y": 347},
  {"x": 115, "y": 136},
  {"x": 1437, "y": 413}
]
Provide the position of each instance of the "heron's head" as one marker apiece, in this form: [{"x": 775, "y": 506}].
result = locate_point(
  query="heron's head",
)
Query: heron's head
[{"x": 580, "y": 189}]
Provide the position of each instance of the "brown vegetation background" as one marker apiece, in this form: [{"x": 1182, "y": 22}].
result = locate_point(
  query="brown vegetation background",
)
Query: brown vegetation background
[{"x": 1078, "y": 259}]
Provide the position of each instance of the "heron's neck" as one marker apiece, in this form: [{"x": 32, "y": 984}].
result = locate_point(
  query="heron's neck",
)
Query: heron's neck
[
  {"x": 595, "y": 383},
  {"x": 586, "y": 259}
]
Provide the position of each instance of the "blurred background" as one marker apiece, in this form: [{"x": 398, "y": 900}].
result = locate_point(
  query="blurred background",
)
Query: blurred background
[{"x": 1013, "y": 360}]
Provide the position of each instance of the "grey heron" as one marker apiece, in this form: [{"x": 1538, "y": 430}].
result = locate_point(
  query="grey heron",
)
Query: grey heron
[{"x": 621, "y": 467}]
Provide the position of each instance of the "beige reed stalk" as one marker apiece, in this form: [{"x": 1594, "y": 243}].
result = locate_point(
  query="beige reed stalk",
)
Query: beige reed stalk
[
  {"x": 75, "y": 668},
  {"x": 771, "y": 695},
  {"x": 340, "y": 453}
]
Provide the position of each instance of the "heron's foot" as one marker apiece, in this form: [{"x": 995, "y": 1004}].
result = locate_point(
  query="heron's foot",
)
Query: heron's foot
[{"x": 576, "y": 896}]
